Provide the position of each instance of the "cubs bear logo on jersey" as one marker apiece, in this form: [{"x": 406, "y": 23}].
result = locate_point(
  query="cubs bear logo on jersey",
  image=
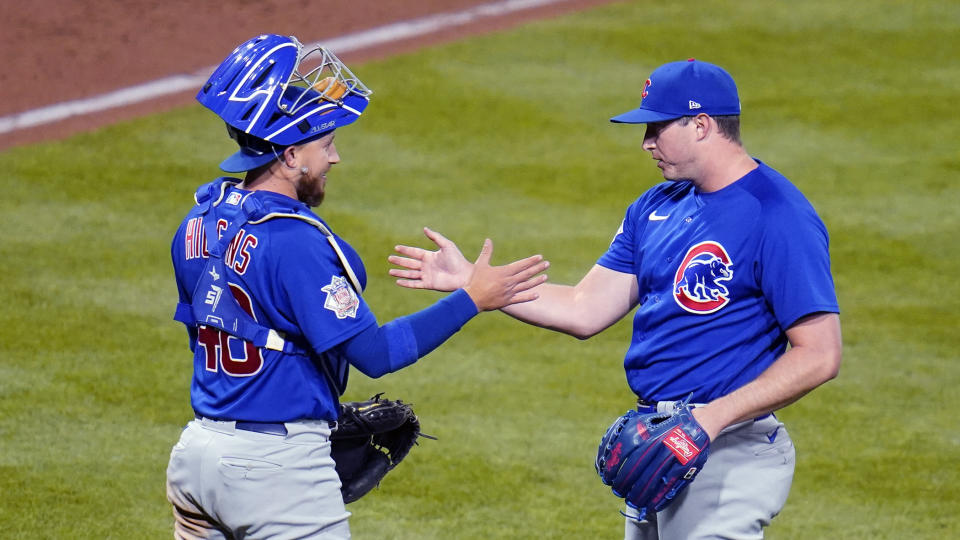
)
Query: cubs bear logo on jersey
[
  {"x": 698, "y": 286},
  {"x": 340, "y": 298}
]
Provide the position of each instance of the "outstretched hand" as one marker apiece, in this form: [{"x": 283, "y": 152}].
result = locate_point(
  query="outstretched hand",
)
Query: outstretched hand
[
  {"x": 443, "y": 270},
  {"x": 490, "y": 287}
]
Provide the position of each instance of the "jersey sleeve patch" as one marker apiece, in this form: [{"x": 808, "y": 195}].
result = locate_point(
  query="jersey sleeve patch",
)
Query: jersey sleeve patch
[{"x": 341, "y": 299}]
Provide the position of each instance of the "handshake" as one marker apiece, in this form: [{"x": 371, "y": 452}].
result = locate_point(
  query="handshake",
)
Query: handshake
[{"x": 446, "y": 269}]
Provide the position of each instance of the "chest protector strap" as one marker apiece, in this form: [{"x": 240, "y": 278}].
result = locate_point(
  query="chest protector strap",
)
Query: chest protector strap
[{"x": 213, "y": 301}]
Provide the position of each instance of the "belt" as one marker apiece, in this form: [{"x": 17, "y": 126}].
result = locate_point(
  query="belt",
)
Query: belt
[
  {"x": 644, "y": 406},
  {"x": 269, "y": 428},
  {"x": 263, "y": 427}
]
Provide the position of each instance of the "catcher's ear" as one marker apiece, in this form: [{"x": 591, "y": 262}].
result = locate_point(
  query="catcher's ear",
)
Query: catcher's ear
[{"x": 289, "y": 157}]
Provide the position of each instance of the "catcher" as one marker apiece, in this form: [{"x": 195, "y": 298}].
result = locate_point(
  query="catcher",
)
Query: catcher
[{"x": 271, "y": 299}]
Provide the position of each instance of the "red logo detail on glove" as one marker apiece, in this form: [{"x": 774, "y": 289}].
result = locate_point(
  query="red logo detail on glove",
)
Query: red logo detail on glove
[
  {"x": 614, "y": 456},
  {"x": 680, "y": 444}
]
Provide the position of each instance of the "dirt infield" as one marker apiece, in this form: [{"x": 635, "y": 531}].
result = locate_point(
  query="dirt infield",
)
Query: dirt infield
[{"x": 61, "y": 50}]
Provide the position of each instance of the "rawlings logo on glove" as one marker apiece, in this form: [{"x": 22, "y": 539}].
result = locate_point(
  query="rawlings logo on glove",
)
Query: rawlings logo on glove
[
  {"x": 648, "y": 459},
  {"x": 371, "y": 438}
]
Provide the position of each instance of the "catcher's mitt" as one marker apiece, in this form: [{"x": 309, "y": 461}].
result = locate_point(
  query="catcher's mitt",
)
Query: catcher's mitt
[
  {"x": 648, "y": 458},
  {"x": 371, "y": 438}
]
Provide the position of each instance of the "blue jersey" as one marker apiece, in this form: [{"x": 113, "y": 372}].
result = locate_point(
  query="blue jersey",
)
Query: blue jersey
[
  {"x": 721, "y": 276},
  {"x": 285, "y": 274}
]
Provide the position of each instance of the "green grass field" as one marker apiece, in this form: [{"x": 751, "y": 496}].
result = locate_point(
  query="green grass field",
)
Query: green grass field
[{"x": 506, "y": 136}]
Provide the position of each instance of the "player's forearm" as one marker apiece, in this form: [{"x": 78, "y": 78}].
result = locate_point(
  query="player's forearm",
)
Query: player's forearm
[
  {"x": 810, "y": 362},
  {"x": 543, "y": 311},
  {"x": 791, "y": 377},
  {"x": 600, "y": 299},
  {"x": 786, "y": 381},
  {"x": 401, "y": 342},
  {"x": 560, "y": 308}
]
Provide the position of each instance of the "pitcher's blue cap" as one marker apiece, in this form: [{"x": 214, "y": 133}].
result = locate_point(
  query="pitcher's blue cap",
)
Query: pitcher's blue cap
[{"x": 684, "y": 88}]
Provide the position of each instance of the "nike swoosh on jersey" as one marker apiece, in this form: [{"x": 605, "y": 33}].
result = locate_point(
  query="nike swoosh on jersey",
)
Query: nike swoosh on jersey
[
  {"x": 772, "y": 436},
  {"x": 654, "y": 217}
]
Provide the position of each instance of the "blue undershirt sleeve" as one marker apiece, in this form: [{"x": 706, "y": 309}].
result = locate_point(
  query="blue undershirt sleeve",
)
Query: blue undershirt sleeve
[{"x": 377, "y": 351}]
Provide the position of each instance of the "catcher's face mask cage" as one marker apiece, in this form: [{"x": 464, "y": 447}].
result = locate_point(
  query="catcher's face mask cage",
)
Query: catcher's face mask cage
[{"x": 270, "y": 89}]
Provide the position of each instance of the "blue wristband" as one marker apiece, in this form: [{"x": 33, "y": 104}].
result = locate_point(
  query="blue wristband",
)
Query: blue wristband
[
  {"x": 435, "y": 324},
  {"x": 404, "y": 340}
]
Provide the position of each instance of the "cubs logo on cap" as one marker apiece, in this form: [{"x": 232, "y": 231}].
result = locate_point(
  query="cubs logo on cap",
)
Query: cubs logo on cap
[
  {"x": 699, "y": 282},
  {"x": 685, "y": 88}
]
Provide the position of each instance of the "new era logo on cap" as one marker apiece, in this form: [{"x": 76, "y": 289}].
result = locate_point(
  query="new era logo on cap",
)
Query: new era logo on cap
[{"x": 677, "y": 88}]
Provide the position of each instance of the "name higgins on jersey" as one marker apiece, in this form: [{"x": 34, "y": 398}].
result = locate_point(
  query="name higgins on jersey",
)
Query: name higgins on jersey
[{"x": 236, "y": 256}]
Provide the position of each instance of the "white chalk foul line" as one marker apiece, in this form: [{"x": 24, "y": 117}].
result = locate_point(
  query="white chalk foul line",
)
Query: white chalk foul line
[{"x": 181, "y": 83}]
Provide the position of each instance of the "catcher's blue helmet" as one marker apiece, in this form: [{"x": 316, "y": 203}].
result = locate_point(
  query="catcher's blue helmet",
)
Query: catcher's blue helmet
[{"x": 268, "y": 102}]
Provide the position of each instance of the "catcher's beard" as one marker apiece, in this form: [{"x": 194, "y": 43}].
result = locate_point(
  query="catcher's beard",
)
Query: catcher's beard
[{"x": 311, "y": 191}]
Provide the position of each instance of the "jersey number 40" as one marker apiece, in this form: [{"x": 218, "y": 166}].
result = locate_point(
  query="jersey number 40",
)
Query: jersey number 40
[{"x": 234, "y": 356}]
